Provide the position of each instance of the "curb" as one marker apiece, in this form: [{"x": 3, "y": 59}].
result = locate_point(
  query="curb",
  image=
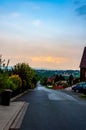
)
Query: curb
[
  {"x": 19, "y": 119},
  {"x": 14, "y": 98},
  {"x": 12, "y": 116},
  {"x": 15, "y": 118}
]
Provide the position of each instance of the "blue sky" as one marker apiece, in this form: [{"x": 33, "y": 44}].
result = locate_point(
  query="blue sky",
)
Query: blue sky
[{"x": 43, "y": 33}]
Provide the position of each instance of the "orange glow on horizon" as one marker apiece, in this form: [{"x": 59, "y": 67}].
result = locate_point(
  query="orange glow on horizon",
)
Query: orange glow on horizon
[{"x": 51, "y": 59}]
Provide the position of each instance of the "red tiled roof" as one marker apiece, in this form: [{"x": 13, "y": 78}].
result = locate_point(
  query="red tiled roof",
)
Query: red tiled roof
[{"x": 83, "y": 59}]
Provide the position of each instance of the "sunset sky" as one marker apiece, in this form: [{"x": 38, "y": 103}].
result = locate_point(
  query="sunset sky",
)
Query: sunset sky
[{"x": 48, "y": 34}]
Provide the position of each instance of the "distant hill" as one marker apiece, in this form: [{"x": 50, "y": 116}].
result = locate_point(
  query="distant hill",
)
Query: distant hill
[{"x": 49, "y": 73}]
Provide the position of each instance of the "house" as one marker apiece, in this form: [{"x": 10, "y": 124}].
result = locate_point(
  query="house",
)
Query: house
[
  {"x": 83, "y": 66},
  {"x": 51, "y": 80}
]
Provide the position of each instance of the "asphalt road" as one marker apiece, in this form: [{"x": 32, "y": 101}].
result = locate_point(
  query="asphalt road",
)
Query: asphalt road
[{"x": 53, "y": 110}]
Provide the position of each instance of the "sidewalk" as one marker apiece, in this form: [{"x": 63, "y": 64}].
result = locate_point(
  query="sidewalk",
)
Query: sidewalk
[{"x": 12, "y": 116}]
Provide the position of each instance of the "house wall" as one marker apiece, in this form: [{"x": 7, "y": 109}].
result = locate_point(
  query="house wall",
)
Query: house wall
[{"x": 83, "y": 74}]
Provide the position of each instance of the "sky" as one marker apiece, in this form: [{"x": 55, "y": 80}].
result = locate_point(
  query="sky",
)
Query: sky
[{"x": 48, "y": 34}]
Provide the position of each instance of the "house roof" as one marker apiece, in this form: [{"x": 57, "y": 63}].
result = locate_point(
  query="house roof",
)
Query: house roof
[{"x": 83, "y": 59}]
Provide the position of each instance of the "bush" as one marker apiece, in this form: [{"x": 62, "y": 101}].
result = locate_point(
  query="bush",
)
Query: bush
[
  {"x": 6, "y": 83},
  {"x": 26, "y": 73},
  {"x": 16, "y": 80},
  {"x": 9, "y": 85},
  {"x": 44, "y": 81},
  {"x": 35, "y": 79},
  {"x": 62, "y": 83},
  {"x": 32, "y": 86}
]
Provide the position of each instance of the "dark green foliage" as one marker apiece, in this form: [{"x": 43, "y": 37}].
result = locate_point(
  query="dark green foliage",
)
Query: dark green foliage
[
  {"x": 45, "y": 73},
  {"x": 22, "y": 77},
  {"x": 71, "y": 79},
  {"x": 59, "y": 78},
  {"x": 26, "y": 73},
  {"x": 76, "y": 80},
  {"x": 44, "y": 81},
  {"x": 35, "y": 79},
  {"x": 50, "y": 73},
  {"x": 16, "y": 80},
  {"x": 6, "y": 83}
]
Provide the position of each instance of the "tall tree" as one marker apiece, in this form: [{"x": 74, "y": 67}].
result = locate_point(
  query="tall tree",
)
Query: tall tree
[{"x": 25, "y": 72}]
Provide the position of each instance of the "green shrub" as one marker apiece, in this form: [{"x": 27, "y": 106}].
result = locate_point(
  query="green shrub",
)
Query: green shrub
[
  {"x": 32, "y": 86},
  {"x": 16, "y": 80},
  {"x": 44, "y": 81},
  {"x": 9, "y": 85},
  {"x": 26, "y": 73},
  {"x": 6, "y": 83}
]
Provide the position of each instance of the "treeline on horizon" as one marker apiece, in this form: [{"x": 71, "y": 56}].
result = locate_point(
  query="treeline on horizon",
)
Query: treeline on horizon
[{"x": 65, "y": 73}]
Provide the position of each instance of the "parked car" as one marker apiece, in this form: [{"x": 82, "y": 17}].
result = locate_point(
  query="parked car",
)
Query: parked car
[
  {"x": 84, "y": 89},
  {"x": 80, "y": 87},
  {"x": 73, "y": 86}
]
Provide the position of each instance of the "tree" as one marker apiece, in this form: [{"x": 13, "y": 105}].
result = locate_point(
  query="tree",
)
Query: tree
[
  {"x": 35, "y": 79},
  {"x": 59, "y": 78},
  {"x": 3, "y": 65},
  {"x": 26, "y": 73},
  {"x": 71, "y": 79},
  {"x": 44, "y": 81}
]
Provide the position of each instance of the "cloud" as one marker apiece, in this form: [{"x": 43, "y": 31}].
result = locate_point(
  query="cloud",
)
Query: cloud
[
  {"x": 48, "y": 59},
  {"x": 11, "y": 20},
  {"x": 15, "y": 14},
  {"x": 36, "y": 7},
  {"x": 81, "y": 11},
  {"x": 11, "y": 25},
  {"x": 10, "y": 15},
  {"x": 51, "y": 62},
  {"x": 36, "y": 23}
]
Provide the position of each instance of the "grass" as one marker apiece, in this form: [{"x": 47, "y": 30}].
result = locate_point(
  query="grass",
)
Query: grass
[
  {"x": 83, "y": 96},
  {"x": 49, "y": 86}
]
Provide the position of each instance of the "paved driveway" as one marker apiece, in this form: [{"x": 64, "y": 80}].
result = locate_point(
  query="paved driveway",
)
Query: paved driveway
[{"x": 53, "y": 110}]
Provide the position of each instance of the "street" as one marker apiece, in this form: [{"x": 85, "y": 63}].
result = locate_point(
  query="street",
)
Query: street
[{"x": 53, "y": 110}]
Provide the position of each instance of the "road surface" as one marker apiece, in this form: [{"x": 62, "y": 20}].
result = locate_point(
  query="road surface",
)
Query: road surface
[{"x": 53, "y": 110}]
